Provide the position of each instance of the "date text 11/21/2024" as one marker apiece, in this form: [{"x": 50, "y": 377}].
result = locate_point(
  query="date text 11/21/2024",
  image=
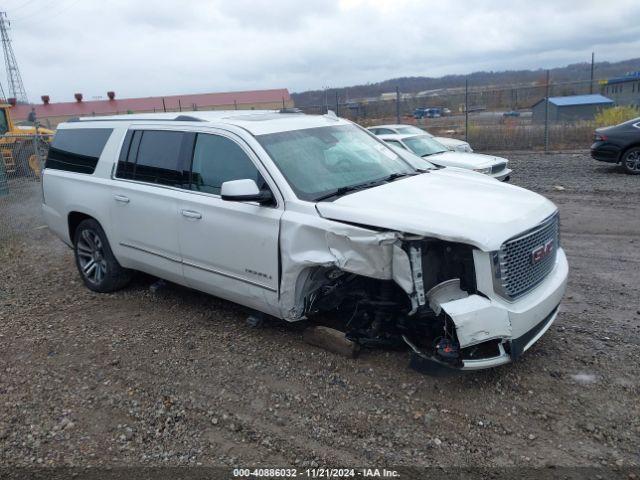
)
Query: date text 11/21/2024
[{"x": 316, "y": 473}]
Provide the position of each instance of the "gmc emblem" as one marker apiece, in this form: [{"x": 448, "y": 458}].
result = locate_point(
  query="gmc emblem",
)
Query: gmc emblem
[{"x": 540, "y": 253}]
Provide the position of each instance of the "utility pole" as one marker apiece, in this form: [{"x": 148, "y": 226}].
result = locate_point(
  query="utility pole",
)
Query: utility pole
[
  {"x": 16, "y": 87},
  {"x": 326, "y": 100},
  {"x": 593, "y": 55},
  {"x": 546, "y": 115},
  {"x": 397, "y": 104},
  {"x": 466, "y": 109}
]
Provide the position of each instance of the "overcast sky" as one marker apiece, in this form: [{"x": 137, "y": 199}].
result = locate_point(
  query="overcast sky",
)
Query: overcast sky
[{"x": 162, "y": 47}]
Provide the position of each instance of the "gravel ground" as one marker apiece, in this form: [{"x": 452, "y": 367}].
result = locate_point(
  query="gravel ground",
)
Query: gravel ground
[{"x": 176, "y": 377}]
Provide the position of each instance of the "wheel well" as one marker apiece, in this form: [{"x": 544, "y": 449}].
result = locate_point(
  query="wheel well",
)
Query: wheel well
[
  {"x": 75, "y": 219},
  {"x": 633, "y": 145}
]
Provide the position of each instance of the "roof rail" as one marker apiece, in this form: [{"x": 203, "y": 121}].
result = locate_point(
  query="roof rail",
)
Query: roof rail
[
  {"x": 290, "y": 110},
  {"x": 187, "y": 118},
  {"x": 123, "y": 118}
]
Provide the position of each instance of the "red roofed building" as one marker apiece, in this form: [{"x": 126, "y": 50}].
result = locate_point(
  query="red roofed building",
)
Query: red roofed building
[{"x": 50, "y": 114}]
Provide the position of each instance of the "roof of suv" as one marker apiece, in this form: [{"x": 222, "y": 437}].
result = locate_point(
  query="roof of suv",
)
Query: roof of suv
[{"x": 257, "y": 122}]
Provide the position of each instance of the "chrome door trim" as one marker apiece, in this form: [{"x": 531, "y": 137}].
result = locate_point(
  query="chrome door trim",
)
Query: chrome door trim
[
  {"x": 229, "y": 275},
  {"x": 200, "y": 267}
]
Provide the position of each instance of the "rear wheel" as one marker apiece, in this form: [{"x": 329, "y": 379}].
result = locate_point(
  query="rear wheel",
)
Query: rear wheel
[
  {"x": 99, "y": 269},
  {"x": 631, "y": 161}
]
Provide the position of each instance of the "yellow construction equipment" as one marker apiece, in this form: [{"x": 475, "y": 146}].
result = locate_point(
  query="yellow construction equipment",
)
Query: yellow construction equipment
[{"x": 19, "y": 144}]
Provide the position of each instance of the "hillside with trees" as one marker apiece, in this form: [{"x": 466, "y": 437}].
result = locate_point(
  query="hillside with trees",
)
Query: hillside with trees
[{"x": 569, "y": 73}]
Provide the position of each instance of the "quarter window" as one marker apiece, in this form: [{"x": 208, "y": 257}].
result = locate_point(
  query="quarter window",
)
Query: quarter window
[
  {"x": 216, "y": 160},
  {"x": 77, "y": 150}
]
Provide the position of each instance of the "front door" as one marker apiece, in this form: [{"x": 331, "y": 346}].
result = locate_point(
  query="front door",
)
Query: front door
[{"x": 229, "y": 249}]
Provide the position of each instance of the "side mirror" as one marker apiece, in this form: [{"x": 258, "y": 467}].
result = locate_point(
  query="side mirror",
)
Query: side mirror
[{"x": 245, "y": 190}]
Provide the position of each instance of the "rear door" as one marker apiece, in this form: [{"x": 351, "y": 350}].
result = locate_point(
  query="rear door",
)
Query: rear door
[
  {"x": 144, "y": 204},
  {"x": 229, "y": 249}
]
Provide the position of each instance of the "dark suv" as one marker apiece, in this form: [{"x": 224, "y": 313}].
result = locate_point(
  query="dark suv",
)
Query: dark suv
[{"x": 619, "y": 144}]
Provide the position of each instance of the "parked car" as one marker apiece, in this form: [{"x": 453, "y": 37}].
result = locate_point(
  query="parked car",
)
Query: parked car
[
  {"x": 452, "y": 144},
  {"x": 426, "y": 146},
  {"x": 619, "y": 144},
  {"x": 423, "y": 112},
  {"x": 292, "y": 215},
  {"x": 511, "y": 113}
]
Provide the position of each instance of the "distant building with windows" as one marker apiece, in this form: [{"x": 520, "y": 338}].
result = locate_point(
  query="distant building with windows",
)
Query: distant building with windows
[
  {"x": 570, "y": 108},
  {"x": 623, "y": 90}
]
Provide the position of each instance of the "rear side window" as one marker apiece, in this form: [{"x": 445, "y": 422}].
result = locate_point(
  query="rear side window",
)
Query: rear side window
[
  {"x": 153, "y": 156},
  {"x": 77, "y": 150},
  {"x": 217, "y": 160}
]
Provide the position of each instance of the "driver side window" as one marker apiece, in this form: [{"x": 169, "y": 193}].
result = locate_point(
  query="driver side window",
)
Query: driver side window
[{"x": 216, "y": 160}]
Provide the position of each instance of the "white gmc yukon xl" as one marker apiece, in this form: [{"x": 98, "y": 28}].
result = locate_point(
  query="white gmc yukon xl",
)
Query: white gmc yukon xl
[{"x": 293, "y": 215}]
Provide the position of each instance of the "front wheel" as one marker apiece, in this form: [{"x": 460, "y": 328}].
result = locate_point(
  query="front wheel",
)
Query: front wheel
[
  {"x": 99, "y": 269},
  {"x": 631, "y": 161}
]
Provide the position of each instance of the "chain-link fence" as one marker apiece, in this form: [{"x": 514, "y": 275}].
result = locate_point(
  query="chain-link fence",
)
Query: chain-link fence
[
  {"x": 20, "y": 169},
  {"x": 510, "y": 117}
]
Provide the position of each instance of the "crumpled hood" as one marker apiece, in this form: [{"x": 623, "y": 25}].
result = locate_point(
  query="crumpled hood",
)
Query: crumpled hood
[
  {"x": 464, "y": 160},
  {"x": 452, "y": 205}
]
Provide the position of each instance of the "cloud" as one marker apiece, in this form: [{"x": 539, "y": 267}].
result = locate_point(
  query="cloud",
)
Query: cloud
[{"x": 184, "y": 46}]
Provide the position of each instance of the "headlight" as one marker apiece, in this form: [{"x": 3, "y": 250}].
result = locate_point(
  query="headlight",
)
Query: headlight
[{"x": 486, "y": 170}]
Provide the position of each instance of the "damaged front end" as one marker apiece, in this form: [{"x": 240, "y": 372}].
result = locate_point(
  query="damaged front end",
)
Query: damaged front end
[{"x": 392, "y": 290}]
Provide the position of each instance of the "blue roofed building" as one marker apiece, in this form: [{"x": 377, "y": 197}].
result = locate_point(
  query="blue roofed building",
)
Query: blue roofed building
[
  {"x": 624, "y": 90},
  {"x": 570, "y": 108}
]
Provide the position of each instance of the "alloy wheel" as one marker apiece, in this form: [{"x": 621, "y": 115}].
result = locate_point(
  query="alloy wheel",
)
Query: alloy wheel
[
  {"x": 90, "y": 253},
  {"x": 633, "y": 161}
]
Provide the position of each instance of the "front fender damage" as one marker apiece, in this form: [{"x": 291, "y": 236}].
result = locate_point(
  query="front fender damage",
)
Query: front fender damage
[
  {"x": 325, "y": 245},
  {"x": 390, "y": 289}
]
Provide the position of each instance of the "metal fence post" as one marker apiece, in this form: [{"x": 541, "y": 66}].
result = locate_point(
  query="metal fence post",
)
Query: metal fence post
[
  {"x": 4, "y": 179},
  {"x": 546, "y": 115},
  {"x": 36, "y": 151},
  {"x": 397, "y": 104},
  {"x": 466, "y": 110}
]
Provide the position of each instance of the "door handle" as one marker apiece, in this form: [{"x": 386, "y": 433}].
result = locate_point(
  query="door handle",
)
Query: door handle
[
  {"x": 191, "y": 214},
  {"x": 121, "y": 198}
]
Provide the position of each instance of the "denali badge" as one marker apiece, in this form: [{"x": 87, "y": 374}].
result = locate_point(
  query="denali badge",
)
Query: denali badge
[{"x": 540, "y": 253}]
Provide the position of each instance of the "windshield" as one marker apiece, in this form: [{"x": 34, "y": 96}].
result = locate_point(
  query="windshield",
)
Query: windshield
[
  {"x": 411, "y": 158},
  {"x": 424, "y": 145},
  {"x": 316, "y": 161},
  {"x": 411, "y": 130}
]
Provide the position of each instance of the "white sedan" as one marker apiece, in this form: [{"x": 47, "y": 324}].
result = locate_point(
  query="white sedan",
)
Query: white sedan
[
  {"x": 452, "y": 144},
  {"x": 429, "y": 148}
]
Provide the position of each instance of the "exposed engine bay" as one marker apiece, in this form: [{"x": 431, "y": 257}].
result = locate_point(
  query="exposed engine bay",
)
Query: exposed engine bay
[{"x": 380, "y": 313}]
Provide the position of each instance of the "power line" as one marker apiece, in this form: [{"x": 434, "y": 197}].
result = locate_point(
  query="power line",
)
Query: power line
[
  {"x": 28, "y": 2},
  {"x": 48, "y": 17}
]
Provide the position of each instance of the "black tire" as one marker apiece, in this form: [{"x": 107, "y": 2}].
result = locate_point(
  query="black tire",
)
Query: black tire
[
  {"x": 99, "y": 269},
  {"x": 631, "y": 161}
]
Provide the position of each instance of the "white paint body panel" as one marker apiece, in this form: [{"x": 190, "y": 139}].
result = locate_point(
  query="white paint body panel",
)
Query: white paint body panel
[
  {"x": 450, "y": 205},
  {"x": 454, "y": 144},
  {"x": 264, "y": 256}
]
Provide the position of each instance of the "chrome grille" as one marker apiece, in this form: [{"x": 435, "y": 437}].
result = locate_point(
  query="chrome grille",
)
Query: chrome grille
[
  {"x": 498, "y": 167},
  {"x": 515, "y": 269}
]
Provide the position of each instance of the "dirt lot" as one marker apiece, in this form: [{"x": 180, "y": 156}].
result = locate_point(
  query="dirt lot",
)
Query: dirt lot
[{"x": 176, "y": 377}]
